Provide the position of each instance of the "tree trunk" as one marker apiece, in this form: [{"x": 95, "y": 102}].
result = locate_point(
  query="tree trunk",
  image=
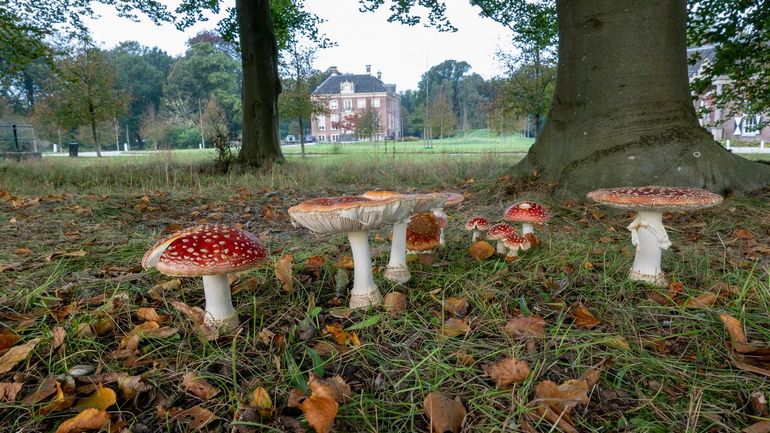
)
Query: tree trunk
[
  {"x": 301, "y": 136},
  {"x": 92, "y": 118},
  {"x": 622, "y": 112},
  {"x": 261, "y": 85}
]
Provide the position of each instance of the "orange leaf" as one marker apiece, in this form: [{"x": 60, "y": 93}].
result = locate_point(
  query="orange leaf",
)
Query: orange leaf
[
  {"x": 150, "y": 315},
  {"x": 743, "y": 234},
  {"x": 8, "y": 390},
  {"x": 100, "y": 399},
  {"x": 734, "y": 328},
  {"x": 458, "y": 307},
  {"x": 525, "y": 326},
  {"x": 706, "y": 300},
  {"x": 481, "y": 250},
  {"x": 335, "y": 387},
  {"x": 584, "y": 318},
  {"x": 562, "y": 398},
  {"x": 454, "y": 327},
  {"x": 16, "y": 354},
  {"x": 320, "y": 409},
  {"x": 283, "y": 272},
  {"x": 7, "y": 338},
  {"x": 89, "y": 419},
  {"x": 507, "y": 372},
  {"x": 445, "y": 415},
  {"x": 394, "y": 302},
  {"x": 315, "y": 262},
  {"x": 344, "y": 262},
  {"x": 198, "y": 386}
]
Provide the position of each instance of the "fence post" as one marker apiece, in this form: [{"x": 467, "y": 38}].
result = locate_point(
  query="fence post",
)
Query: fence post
[
  {"x": 762, "y": 144},
  {"x": 15, "y": 138},
  {"x": 727, "y": 143}
]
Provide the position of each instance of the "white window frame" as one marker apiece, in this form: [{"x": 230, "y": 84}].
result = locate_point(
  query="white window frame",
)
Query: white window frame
[
  {"x": 347, "y": 104},
  {"x": 333, "y": 104},
  {"x": 361, "y": 103},
  {"x": 322, "y": 139},
  {"x": 751, "y": 125},
  {"x": 334, "y": 119},
  {"x": 375, "y": 102},
  {"x": 321, "y": 123},
  {"x": 335, "y": 138}
]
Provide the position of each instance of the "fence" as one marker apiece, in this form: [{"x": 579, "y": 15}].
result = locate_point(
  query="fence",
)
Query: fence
[{"x": 746, "y": 149}]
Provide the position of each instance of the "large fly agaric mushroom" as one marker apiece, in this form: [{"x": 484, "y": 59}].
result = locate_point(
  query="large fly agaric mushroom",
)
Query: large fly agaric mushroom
[
  {"x": 497, "y": 232},
  {"x": 527, "y": 213},
  {"x": 397, "y": 270},
  {"x": 647, "y": 231},
  {"x": 452, "y": 199},
  {"x": 478, "y": 225},
  {"x": 422, "y": 233},
  {"x": 355, "y": 216},
  {"x": 210, "y": 251}
]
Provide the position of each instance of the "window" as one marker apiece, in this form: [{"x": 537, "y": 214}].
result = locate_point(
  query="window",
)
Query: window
[
  {"x": 347, "y": 104},
  {"x": 335, "y": 137},
  {"x": 347, "y": 87},
  {"x": 321, "y": 123},
  {"x": 361, "y": 103},
  {"x": 335, "y": 119},
  {"x": 751, "y": 125},
  {"x": 321, "y": 138},
  {"x": 333, "y": 104},
  {"x": 376, "y": 102}
]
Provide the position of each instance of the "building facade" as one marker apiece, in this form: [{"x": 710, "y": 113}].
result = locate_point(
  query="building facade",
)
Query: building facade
[
  {"x": 735, "y": 127},
  {"x": 348, "y": 97}
]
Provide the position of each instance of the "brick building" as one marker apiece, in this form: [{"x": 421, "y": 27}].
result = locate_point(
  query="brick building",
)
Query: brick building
[{"x": 346, "y": 96}]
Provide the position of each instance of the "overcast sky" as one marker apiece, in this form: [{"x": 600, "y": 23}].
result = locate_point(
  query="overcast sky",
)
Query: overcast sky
[{"x": 402, "y": 53}]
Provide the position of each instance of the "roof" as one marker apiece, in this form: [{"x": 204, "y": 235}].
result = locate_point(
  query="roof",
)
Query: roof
[
  {"x": 363, "y": 83},
  {"x": 702, "y": 55}
]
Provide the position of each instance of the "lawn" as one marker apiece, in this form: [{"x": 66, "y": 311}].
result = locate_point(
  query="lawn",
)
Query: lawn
[{"x": 74, "y": 232}]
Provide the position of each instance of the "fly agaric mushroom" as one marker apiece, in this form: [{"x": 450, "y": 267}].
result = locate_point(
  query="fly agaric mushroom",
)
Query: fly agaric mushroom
[
  {"x": 514, "y": 243},
  {"x": 647, "y": 231},
  {"x": 527, "y": 213},
  {"x": 210, "y": 251},
  {"x": 397, "y": 270},
  {"x": 452, "y": 199},
  {"x": 479, "y": 225},
  {"x": 354, "y": 216},
  {"x": 422, "y": 233},
  {"x": 497, "y": 232}
]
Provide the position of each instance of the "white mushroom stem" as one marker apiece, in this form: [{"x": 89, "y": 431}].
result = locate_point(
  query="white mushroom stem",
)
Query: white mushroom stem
[
  {"x": 397, "y": 270},
  {"x": 650, "y": 238},
  {"x": 476, "y": 235},
  {"x": 500, "y": 247},
  {"x": 364, "y": 293},
  {"x": 527, "y": 228},
  {"x": 512, "y": 252},
  {"x": 439, "y": 213},
  {"x": 219, "y": 304}
]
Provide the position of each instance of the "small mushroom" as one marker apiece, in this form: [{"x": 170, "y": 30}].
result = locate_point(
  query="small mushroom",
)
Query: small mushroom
[
  {"x": 647, "y": 231},
  {"x": 497, "y": 232},
  {"x": 422, "y": 233},
  {"x": 514, "y": 243},
  {"x": 355, "y": 216},
  {"x": 478, "y": 225},
  {"x": 527, "y": 213},
  {"x": 210, "y": 251}
]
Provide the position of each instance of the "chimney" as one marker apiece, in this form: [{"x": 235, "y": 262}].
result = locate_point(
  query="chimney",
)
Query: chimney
[
  {"x": 333, "y": 70},
  {"x": 369, "y": 69},
  {"x": 379, "y": 75}
]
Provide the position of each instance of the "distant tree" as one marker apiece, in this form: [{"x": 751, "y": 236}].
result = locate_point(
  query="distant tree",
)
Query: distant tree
[
  {"x": 84, "y": 94},
  {"x": 527, "y": 90},
  {"x": 442, "y": 118},
  {"x": 214, "y": 38},
  {"x": 367, "y": 124}
]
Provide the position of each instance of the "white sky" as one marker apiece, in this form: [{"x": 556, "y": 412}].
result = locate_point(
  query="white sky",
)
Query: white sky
[{"x": 401, "y": 52}]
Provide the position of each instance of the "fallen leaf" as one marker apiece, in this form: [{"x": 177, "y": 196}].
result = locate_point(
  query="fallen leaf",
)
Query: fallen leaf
[
  {"x": 583, "y": 317},
  {"x": 758, "y": 427},
  {"x": 101, "y": 399},
  {"x": 320, "y": 409},
  {"x": 89, "y": 419},
  {"x": 342, "y": 312},
  {"x": 758, "y": 404},
  {"x": 59, "y": 402},
  {"x": 457, "y": 307},
  {"x": 8, "y": 391},
  {"x": 16, "y": 354},
  {"x": 248, "y": 285},
  {"x": 525, "y": 326},
  {"x": 46, "y": 388},
  {"x": 159, "y": 290},
  {"x": 706, "y": 300},
  {"x": 266, "y": 336},
  {"x": 22, "y": 250},
  {"x": 751, "y": 368},
  {"x": 507, "y": 372},
  {"x": 61, "y": 254},
  {"x": 465, "y": 358},
  {"x": 315, "y": 262},
  {"x": 58, "y": 333},
  {"x": 131, "y": 385},
  {"x": 444, "y": 415},
  {"x": 198, "y": 386},
  {"x": 593, "y": 374},
  {"x": 481, "y": 250},
  {"x": 283, "y": 272},
  {"x": 260, "y": 400},
  {"x": 295, "y": 398},
  {"x": 734, "y": 328},
  {"x": 617, "y": 342},
  {"x": 743, "y": 234},
  {"x": 336, "y": 387},
  {"x": 8, "y": 338},
  {"x": 562, "y": 398},
  {"x": 394, "y": 302},
  {"x": 344, "y": 262},
  {"x": 341, "y": 336},
  {"x": 454, "y": 327},
  {"x": 195, "y": 417},
  {"x": 150, "y": 315}
]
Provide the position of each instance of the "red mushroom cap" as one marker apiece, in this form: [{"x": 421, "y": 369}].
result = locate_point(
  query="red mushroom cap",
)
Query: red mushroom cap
[
  {"x": 514, "y": 241},
  {"x": 656, "y": 197},
  {"x": 527, "y": 212},
  {"x": 477, "y": 223},
  {"x": 499, "y": 231},
  {"x": 423, "y": 232},
  {"x": 205, "y": 250}
]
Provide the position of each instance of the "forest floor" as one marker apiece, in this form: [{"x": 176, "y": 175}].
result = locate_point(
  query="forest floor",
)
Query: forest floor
[{"x": 90, "y": 339}]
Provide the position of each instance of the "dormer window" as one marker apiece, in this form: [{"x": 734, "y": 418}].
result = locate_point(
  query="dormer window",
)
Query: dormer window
[{"x": 347, "y": 87}]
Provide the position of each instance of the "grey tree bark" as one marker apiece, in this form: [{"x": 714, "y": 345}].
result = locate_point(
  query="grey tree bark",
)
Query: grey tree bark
[
  {"x": 622, "y": 112},
  {"x": 261, "y": 84}
]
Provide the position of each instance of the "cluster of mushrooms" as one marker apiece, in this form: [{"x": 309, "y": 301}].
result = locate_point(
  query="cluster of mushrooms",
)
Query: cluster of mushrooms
[
  {"x": 417, "y": 220},
  {"x": 509, "y": 242}
]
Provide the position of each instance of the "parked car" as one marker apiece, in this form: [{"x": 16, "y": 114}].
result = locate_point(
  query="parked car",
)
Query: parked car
[
  {"x": 290, "y": 139},
  {"x": 309, "y": 139}
]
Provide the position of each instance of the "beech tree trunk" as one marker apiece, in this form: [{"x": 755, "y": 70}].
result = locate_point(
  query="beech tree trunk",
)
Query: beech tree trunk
[
  {"x": 261, "y": 84},
  {"x": 622, "y": 113}
]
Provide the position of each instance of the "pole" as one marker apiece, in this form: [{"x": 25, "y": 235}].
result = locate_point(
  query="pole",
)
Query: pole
[
  {"x": 117, "y": 139},
  {"x": 200, "y": 119},
  {"x": 60, "y": 143},
  {"x": 15, "y": 138},
  {"x": 128, "y": 141}
]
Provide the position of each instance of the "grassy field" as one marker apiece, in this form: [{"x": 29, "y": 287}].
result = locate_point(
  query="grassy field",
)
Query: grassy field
[{"x": 74, "y": 232}]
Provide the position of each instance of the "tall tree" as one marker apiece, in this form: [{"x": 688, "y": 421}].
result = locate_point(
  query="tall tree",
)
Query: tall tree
[
  {"x": 622, "y": 99},
  {"x": 367, "y": 124}
]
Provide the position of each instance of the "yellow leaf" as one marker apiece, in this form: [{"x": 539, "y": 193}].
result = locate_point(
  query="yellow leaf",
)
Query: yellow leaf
[
  {"x": 89, "y": 419},
  {"x": 101, "y": 399},
  {"x": 444, "y": 414},
  {"x": 283, "y": 272},
  {"x": 16, "y": 354}
]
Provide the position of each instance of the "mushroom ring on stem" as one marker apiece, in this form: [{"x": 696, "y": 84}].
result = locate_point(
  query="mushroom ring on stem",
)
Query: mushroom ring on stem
[
  {"x": 527, "y": 213},
  {"x": 497, "y": 232},
  {"x": 355, "y": 216},
  {"x": 210, "y": 251},
  {"x": 397, "y": 270},
  {"x": 647, "y": 231},
  {"x": 478, "y": 225}
]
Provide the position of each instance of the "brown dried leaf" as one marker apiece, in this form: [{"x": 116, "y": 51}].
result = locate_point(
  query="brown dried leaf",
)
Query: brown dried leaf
[
  {"x": 159, "y": 290},
  {"x": 583, "y": 317},
  {"x": 60, "y": 254},
  {"x": 593, "y": 374},
  {"x": 283, "y": 272},
  {"x": 751, "y": 368},
  {"x": 248, "y": 285},
  {"x": 465, "y": 358},
  {"x": 758, "y": 404},
  {"x": 295, "y": 398},
  {"x": 198, "y": 386},
  {"x": 194, "y": 314},
  {"x": 130, "y": 385},
  {"x": 101, "y": 399},
  {"x": 195, "y": 417},
  {"x": 525, "y": 326},
  {"x": 344, "y": 262},
  {"x": 45, "y": 389},
  {"x": 454, "y": 327},
  {"x": 445, "y": 415},
  {"x": 150, "y": 315},
  {"x": 315, "y": 262},
  {"x": 706, "y": 300},
  {"x": 457, "y": 307},
  {"x": 320, "y": 410},
  {"x": 734, "y": 328},
  {"x": 758, "y": 427},
  {"x": 8, "y": 391},
  {"x": 507, "y": 372},
  {"x": 562, "y": 398},
  {"x": 394, "y": 302},
  {"x": 335, "y": 387},
  {"x": 58, "y": 334},
  {"x": 16, "y": 354},
  {"x": 481, "y": 250},
  {"x": 8, "y": 338},
  {"x": 743, "y": 234},
  {"x": 89, "y": 419}
]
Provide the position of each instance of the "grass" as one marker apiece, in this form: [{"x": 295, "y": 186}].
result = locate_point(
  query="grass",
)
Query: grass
[{"x": 675, "y": 374}]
